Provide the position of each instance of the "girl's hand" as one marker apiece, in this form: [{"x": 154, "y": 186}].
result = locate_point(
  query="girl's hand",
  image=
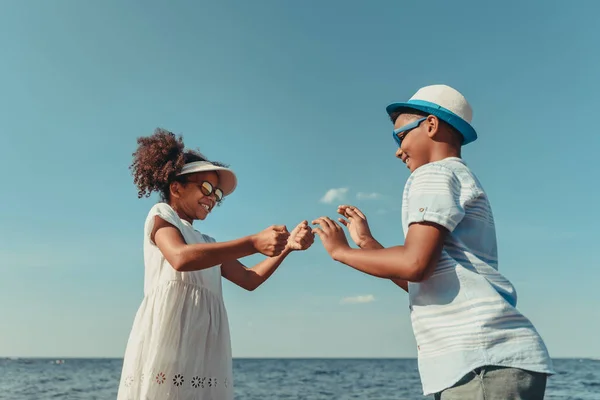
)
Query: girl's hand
[
  {"x": 271, "y": 241},
  {"x": 301, "y": 237},
  {"x": 357, "y": 224}
]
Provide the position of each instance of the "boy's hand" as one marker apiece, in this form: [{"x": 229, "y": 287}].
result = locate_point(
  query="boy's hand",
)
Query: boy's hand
[
  {"x": 357, "y": 224},
  {"x": 332, "y": 236},
  {"x": 271, "y": 241},
  {"x": 301, "y": 237}
]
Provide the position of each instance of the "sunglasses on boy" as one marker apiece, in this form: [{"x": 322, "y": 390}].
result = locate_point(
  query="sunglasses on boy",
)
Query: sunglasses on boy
[
  {"x": 400, "y": 133},
  {"x": 207, "y": 189}
]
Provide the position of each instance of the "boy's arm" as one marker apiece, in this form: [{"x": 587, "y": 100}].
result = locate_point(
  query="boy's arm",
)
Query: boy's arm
[
  {"x": 358, "y": 227},
  {"x": 401, "y": 283},
  {"x": 373, "y": 244},
  {"x": 433, "y": 208},
  {"x": 415, "y": 261}
]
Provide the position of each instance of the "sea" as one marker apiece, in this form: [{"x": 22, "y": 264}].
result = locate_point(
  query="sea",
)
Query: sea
[{"x": 311, "y": 379}]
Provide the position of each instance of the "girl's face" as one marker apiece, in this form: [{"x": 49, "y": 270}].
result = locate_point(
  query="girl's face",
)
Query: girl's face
[{"x": 197, "y": 196}]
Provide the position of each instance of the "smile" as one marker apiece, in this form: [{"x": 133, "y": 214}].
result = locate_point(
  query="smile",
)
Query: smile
[{"x": 405, "y": 158}]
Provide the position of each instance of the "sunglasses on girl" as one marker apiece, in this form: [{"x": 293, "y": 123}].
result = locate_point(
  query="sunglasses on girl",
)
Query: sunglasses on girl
[
  {"x": 400, "y": 133},
  {"x": 207, "y": 189}
]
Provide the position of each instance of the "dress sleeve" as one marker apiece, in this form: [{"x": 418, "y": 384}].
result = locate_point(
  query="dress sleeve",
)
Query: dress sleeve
[
  {"x": 208, "y": 239},
  {"x": 165, "y": 212}
]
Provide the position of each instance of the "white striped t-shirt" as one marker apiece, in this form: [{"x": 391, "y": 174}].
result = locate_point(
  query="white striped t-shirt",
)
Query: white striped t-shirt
[{"x": 464, "y": 316}]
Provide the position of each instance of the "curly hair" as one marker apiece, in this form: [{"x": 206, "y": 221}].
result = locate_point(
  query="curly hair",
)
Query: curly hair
[{"x": 157, "y": 161}]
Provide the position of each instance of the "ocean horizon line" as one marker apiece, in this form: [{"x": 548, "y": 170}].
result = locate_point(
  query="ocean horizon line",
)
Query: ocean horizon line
[{"x": 255, "y": 358}]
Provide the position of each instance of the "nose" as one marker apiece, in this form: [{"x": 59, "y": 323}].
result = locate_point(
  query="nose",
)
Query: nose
[
  {"x": 212, "y": 198},
  {"x": 399, "y": 153}
]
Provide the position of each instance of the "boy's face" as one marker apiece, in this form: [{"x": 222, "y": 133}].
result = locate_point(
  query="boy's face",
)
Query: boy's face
[{"x": 416, "y": 143}]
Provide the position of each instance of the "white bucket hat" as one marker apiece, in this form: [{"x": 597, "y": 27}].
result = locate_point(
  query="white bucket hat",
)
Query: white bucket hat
[
  {"x": 227, "y": 178},
  {"x": 446, "y": 103}
]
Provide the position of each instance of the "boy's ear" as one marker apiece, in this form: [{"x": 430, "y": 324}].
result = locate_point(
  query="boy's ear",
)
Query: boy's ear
[{"x": 433, "y": 126}]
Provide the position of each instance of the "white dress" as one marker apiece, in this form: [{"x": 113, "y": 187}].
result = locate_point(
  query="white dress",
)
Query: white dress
[{"x": 179, "y": 346}]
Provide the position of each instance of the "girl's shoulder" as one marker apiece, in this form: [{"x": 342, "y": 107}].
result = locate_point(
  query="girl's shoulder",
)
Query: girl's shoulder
[
  {"x": 164, "y": 212},
  {"x": 161, "y": 207}
]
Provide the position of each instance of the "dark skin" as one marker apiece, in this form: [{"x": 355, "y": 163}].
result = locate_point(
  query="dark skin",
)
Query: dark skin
[
  {"x": 359, "y": 230},
  {"x": 190, "y": 204},
  {"x": 431, "y": 141},
  {"x": 417, "y": 259}
]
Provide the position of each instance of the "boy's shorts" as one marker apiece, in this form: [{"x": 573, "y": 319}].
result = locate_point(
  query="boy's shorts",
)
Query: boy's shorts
[{"x": 490, "y": 383}]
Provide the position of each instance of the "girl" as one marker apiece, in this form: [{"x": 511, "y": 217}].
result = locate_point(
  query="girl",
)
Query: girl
[{"x": 179, "y": 346}]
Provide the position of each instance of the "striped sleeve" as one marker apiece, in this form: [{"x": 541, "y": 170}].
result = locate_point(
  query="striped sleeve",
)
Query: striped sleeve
[{"x": 434, "y": 196}]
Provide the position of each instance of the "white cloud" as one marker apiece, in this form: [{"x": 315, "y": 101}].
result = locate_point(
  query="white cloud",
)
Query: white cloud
[
  {"x": 368, "y": 196},
  {"x": 367, "y": 298},
  {"x": 333, "y": 195}
]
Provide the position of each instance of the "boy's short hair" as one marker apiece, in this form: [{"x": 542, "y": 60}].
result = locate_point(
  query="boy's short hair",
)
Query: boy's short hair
[{"x": 413, "y": 113}]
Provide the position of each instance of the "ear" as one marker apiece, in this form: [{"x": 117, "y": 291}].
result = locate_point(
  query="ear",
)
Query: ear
[
  {"x": 175, "y": 189},
  {"x": 433, "y": 126}
]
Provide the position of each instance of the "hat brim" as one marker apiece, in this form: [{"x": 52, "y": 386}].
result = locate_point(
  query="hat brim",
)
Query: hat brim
[
  {"x": 227, "y": 178},
  {"x": 463, "y": 127}
]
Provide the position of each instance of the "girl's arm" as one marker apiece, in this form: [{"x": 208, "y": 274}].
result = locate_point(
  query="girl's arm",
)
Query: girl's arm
[
  {"x": 301, "y": 238},
  {"x": 251, "y": 278},
  {"x": 193, "y": 257}
]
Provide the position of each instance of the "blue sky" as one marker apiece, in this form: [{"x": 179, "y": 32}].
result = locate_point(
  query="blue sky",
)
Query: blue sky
[{"x": 292, "y": 95}]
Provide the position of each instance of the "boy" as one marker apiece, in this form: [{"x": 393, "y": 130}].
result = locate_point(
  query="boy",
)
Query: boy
[{"x": 472, "y": 342}]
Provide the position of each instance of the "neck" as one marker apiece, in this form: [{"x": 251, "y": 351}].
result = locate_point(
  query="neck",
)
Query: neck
[
  {"x": 444, "y": 151},
  {"x": 180, "y": 213}
]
